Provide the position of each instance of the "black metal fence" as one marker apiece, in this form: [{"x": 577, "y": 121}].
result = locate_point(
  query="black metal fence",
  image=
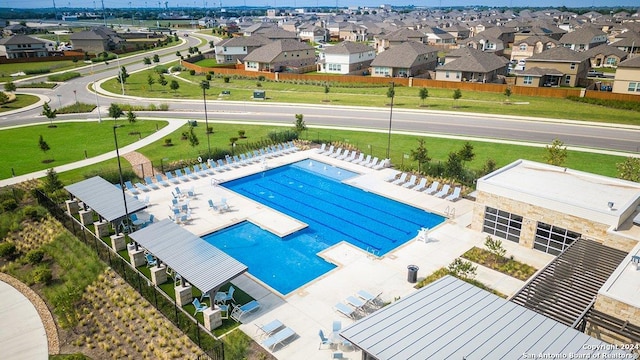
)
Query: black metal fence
[{"x": 189, "y": 325}]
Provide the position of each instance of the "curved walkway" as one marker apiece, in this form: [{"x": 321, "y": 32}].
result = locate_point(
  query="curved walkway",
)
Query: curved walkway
[{"x": 27, "y": 328}]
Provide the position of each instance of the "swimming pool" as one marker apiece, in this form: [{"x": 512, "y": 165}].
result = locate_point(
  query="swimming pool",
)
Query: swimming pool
[{"x": 313, "y": 193}]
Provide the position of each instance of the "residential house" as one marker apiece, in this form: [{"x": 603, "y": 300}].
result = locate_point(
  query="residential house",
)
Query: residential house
[
  {"x": 23, "y": 46},
  {"x": 549, "y": 31},
  {"x": 408, "y": 59},
  {"x": 469, "y": 64},
  {"x": 532, "y": 45},
  {"x": 605, "y": 56},
  {"x": 537, "y": 77},
  {"x": 261, "y": 26},
  {"x": 313, "y": 33},
  {"x": 96, "y": 40},
  {"x": 627, "y": 78},
  {"x": 494, "y": 40},
  {"x": 233, "y": 50},
  {"x": 17, "y": 29},
  {"x": 438, "y": 37},
  {"x": 207, "y": 22},
  {"x": 459, "y": 32},
  {"x": 276, "y": 34},
  {"x": 347, "y": 58},
  {"x": 571, "y": 64},
  {"x": 282, "y": 55},
  {"x": 628, "y": 44},
  {"x": 584, "y": 38},
  {"x": 385, "y": 41},
  {"x": 352, "y": 32}
]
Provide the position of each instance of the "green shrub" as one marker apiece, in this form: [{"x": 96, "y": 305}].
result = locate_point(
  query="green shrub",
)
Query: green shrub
[
  {"x": 615, "y": 104},
  {"x": 261, "y": 78},
  {"x": 34, "y": 256},
  {"x": 38, "y": 85},
  {"x": 42, "y": 275},
  {"x": 163, "y": 107},
  {"x": 34, "y": 212},
  {"x": 76, "y": 108},
  {"x": 8, "y": 250},
  {"x": 226, "y": 79},
  {"x": 37, "y": 71},
  {"x": 208, "y": 77},
  {"x": 176, "y": 68},
  {"x": 64, "y": 76},
  {"x": 192, "y": 72},
  {"x": 160, "y": 69},
  {"x": 9, "y": 205},
  {"x": 282, "y": 136}
]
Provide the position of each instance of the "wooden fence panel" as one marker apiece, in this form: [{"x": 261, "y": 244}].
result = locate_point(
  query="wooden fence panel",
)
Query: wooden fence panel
[{"x": 611, "y": 96}]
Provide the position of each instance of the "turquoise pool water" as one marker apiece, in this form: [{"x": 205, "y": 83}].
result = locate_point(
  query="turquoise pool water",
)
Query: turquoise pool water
[{"x": 313, "y": 193}]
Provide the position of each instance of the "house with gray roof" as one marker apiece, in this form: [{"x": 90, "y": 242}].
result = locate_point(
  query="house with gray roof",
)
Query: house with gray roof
[
  {"x": 23, "y": 46},
  {"x": 572, "y": 64},
  {"x": 468, "y": 64},
  {"x": 276, "y": 34},
  {"x": 627, "y": 78},
  {"x": 282, "y": 56},
  {"x": 628, "y": 43},
  {"x": 452, "y": 319},
  {"x": 532, "y": 45},
  {"x": 96, "y": 40},
  {"x": 605, "y": 56},
  {"x": 584, "y": 38},
  {"x": 257, "y": 27},
  {"x": 233, "y": 50},
  {"x": 386, "y": 41},
  {"x": 409, "y": 59},
  {"x": 347, "y": 58},
  {"x": 313, "y": 33},
  {"x": 438, "y": 37}
]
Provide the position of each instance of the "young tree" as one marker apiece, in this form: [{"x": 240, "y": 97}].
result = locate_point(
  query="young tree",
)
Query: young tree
[
  {"x": 462, "y": 269},
  {"x": 43, "y": 145},
  {"x": 123, "y": 75},
  {"x": 495, "y": 247},
  {"x": 156, "y": 58},
  {"x": 162, "y": 80},
  {"x": 146, "y": 60},
  {"x": 299, "y": 124},
  {"x": 556, "y": 153},
  {"x": 457, "y": 94},
  {"x": 51, "y": 182},
  {"x": 49, "y": 113},
  {"x": 4, "y": 98},
  {"x": 488, "y": 167},
  {"x": 466, "y": 153},
  {"x": 391, "y": 92},
  {"x": 193, "y": 139},
  {"x": 424, "y": 94},
  {"x": 150, "y": 81},
  {"x": 178, "y": 54},
  {"x": 174, "y": 86},
  {"x": 420, "y": 154},
  {"x": 453, "y": 167},
  {"x": 115, "y": 111},
  {"x": 131, "y": 116},
  {"x": 326, "y": 92},
  {"x": 507, "y": 93},
  {"x": 629, "y": 169},
  {"x": 9, "y": 86}
]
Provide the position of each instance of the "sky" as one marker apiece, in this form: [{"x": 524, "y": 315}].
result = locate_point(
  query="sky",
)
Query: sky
[{"x": 308, "y": 3}]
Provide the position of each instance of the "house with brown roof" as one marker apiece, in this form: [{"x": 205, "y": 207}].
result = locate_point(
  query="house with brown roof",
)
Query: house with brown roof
[
  {"x": 23, "y": 46},
  {"x": 532, "y": 45},
  {"x": 605, "y": 56},
  {"x": 572, "y": 65},
  {"x": 347, "y": 58},
  {"x": 494, "y": 39},
  {"x": 405, "y": 60},
  {"x": 584, "y": 38},
  {"x": 282, "y": 56},
  {"x": 628, "y": 43},
  {"x": 386, "y": 41},
  {"x": 468, "y": 64},
  {"x": 233, "y": 50},
  {"x": 96, "y": 40},
  {"x": 627, "y": 79},
  {"x": 313, "y": 33}
]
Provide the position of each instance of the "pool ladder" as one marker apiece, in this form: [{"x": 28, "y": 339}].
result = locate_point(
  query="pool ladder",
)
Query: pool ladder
[
  {"x": 373, "y": 253},
  {"x": 450, "y": 212}
]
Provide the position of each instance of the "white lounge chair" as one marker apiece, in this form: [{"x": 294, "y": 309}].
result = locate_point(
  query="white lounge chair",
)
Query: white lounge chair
[
  {"x": 455, "y": 195},
  {"x": 401, "y": 180},
  {"x": 278, "y": 338},
  {"x": 432, "y": 188},
  {"x": 373, "y": 163},
  {"x": 337, "y": 153},
  {"x": 359, "y": 159},
  {"x": 322, "y": 148},
  {"x": 421, "y": 185},
  {"x": 366, "y": 160},
  {"x": 392, "y": 177},
  {"x": 381, "y": 164},
  {"x": 444, "y": 191},
  {"x": 344, "y": 155},
  {"x": 351, "y": 157},
  {"x": 411, "y": 183},
  {"x": 328, "y": 152},
  {"x": 369, "y": 298}
]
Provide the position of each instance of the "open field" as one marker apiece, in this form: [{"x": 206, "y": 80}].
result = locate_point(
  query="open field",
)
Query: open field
[{"x": 7, "y": 69}]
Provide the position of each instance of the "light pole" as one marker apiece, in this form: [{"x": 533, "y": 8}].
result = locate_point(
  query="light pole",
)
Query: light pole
[
  {"x": 95, "y": 90},
  {"x": 120, "y": 73},
  {"x": 205, "y": 86},
  {"x": 124, "y": 197},
  {"x": 392, "y": 91}
]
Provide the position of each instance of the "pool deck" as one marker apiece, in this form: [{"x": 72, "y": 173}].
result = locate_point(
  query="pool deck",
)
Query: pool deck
[{"x": 310, "y": 308}]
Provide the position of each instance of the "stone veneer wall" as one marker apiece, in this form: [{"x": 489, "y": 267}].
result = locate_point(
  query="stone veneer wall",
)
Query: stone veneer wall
[
  {"x": 618, "y": 309},
  {"x": 532, "y": 214}
]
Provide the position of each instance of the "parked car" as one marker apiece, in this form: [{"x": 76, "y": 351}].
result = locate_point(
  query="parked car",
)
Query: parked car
[{"x": 594, "y": 73}]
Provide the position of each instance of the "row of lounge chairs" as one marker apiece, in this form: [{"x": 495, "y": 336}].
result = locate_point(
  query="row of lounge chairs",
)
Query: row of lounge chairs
[
  {"x": 353, "y": 157},
  {"x": 360, "y": 305},
  {"x": 210, "y": 168},
  {"x": 421, "y": 186}
]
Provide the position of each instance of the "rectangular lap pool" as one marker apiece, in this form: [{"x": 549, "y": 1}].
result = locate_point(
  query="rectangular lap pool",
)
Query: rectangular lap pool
[{"x": 312, "y": 192}]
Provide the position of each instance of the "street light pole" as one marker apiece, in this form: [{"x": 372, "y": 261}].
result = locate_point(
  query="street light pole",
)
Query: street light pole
[
  {"x": 205, "y": 86},
  {"x": 124, "y": 197},
  {"x": 95, "y": 90},
  {"x": 120, "y": 73},
  {"x": 393, "y": 94}
]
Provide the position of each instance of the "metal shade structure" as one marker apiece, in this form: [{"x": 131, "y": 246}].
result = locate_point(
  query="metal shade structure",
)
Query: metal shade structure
[
  {"x": 198, "y": 262},
  {"x": 452, "y": 319},
  {"x": 104, "y": 198}
]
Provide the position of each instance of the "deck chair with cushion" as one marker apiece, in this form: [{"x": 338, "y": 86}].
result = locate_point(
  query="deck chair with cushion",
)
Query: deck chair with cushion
[
  {"x": 199, "y": 306},
  {"x": 345, "y": 310},
  {"x": 239, "y": 311},
  {"x": 131, "y": 188},
  {"x": 161, "y": 181},
  {"x": 188, "y": 173},
  {"x": 444, "y": 191},
  {"x": 278, "y": 338},
  {"x": 141, "y": 186},
  {"x": 270, "y": 328},
  {"x": 150, "y": 183},
  {"x": 151, "y": 261},
  {"x": 181, "y": 176},
  {"x": 171, "y": 178}
]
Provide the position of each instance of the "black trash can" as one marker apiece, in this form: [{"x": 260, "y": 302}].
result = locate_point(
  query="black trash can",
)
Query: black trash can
[
  {"x": 412, "y": 273},
  {"x": 193, "y": 123}
]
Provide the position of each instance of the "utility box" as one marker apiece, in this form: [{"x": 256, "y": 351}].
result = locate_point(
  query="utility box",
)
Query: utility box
[
  {"x": 193, "y": 123},
  {"x": 259, "y": 95}
]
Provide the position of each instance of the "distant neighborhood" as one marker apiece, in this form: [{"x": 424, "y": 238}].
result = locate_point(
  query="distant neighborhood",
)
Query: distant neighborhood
[{"x": 531, "y": 48}]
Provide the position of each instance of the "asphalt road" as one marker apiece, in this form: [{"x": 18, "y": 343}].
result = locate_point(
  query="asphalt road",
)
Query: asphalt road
[{"x": 431, "y": 123}]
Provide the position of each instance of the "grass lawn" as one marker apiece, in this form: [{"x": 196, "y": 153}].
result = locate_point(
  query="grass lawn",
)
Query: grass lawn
[
  {"x": 68, "y": 143},
  {"x": 363, "y": 95},
  {"x": 20, "y": 102},
  {"x": 7, "y": 69}
]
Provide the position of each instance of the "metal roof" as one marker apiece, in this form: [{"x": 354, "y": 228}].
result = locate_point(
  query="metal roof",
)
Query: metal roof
[
  {"x": 565, "y": 288},
  {"x": 451, "y": 319},
  {"x": 198, "y": 262},
  {"x": 104, "y": 198}
]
